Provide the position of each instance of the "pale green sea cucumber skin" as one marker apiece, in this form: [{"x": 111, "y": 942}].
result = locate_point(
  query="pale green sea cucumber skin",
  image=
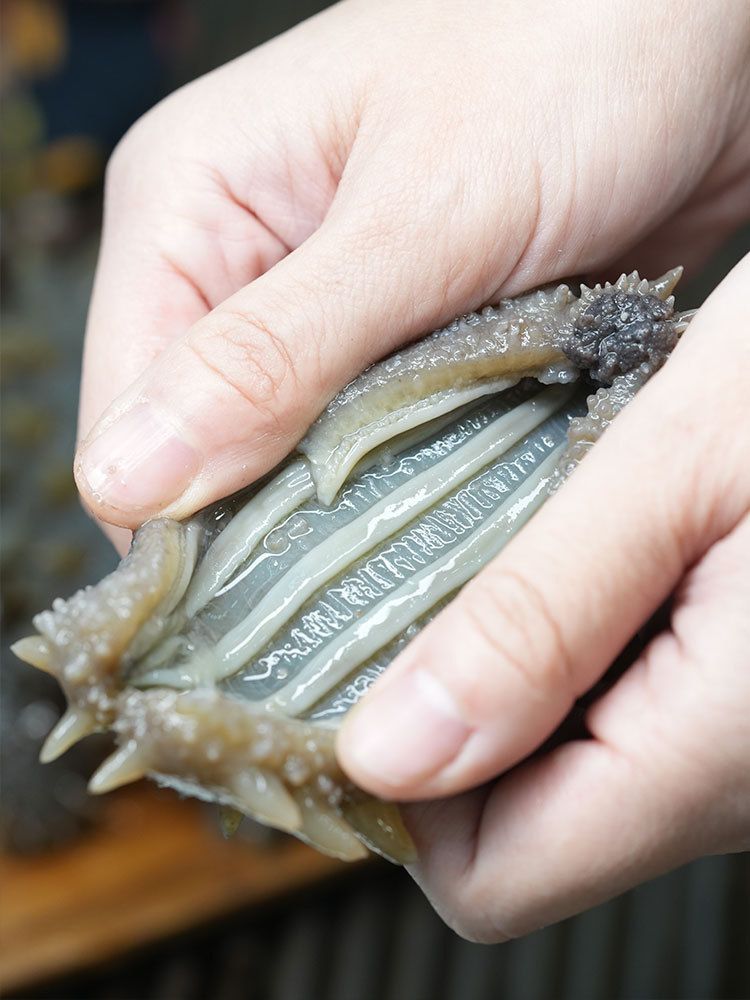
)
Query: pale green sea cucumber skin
[{"x": 225, "y": 650}]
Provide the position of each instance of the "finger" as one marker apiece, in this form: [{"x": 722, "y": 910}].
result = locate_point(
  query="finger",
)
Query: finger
[
  {"x": 495, "y": 673},
  {"x": 663, "y": 781},
  {"x": 177, "y": 239},
  {"x": 224, "y": 402},
  {"x": 144, "y": 299},
  {"x": 198, "y": 205}
]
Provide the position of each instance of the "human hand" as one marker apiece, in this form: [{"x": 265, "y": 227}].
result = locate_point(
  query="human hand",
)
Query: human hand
[
  {"x": 660, "y": 506},
  {"x": 276, "y": 226}
]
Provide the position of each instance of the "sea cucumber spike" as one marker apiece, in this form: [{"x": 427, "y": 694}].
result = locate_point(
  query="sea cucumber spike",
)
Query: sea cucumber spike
[
  {"x": 631, "y": 282},
  {"x": 89, "y": 634},
  {"x": 644, "y": 287},
  {"x": 229, "y": 821},
  {"x": 380, "y": 826},
  {"x": 72, "y": 727},
  {"x": 326, "y": 830},
  {"x": 125, "y": 765},
  {"x": 34, "y": 650},
  {"x": 664, "y": 286},
  {"x": 263, "y": 796},
  {"x": 683, "y": 322}
]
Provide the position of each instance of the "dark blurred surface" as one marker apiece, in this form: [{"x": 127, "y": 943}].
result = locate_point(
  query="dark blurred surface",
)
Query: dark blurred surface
[
  {"x": 373, "y": 936},
  {"x": 74, "y": 76}
]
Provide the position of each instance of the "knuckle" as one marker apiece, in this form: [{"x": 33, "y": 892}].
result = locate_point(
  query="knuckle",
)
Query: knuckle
[
  {"x": 470, "y": 913},
  {"x": 250, "y": 360},
  {"x": 478, "y": 914},
  {"x": 471, "y": 927},
  {"x": 520, "y": 629},
  {"x": 138, "y": 163},
  {"x": 137, "y": 138},
  {"x": 127, "y": 165},
  {"x": 117, "y": 169}
]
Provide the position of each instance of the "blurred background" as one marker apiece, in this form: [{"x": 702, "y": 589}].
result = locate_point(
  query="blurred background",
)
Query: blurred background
[{"x": 137, "y": 895}]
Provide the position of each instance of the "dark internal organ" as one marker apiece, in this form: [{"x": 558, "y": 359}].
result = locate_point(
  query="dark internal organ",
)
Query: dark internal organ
[
  {"x": 224, "y": 651},
  {"x": 620, "y": 333}
]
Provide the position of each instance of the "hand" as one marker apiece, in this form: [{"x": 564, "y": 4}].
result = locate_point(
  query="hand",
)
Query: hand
[
  {"x": 661, "y": 505},
  {"x": 274, "y": 227},
  {"x": 277, "y": 225}
]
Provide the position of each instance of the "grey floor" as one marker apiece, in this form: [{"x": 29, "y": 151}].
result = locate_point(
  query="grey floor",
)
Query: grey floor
[{"x": 372, "y": 936}]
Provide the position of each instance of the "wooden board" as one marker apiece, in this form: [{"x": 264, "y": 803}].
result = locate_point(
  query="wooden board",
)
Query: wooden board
[{"x": 154, "y": 865}]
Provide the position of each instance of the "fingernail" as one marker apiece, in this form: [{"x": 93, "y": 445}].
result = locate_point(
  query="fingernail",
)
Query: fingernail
[
  {"x": 139, "y": 462},
  {"x": 406, "y": 733}
]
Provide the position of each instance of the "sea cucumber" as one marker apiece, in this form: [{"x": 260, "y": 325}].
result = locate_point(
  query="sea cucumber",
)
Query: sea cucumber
[{"x": 224, "y": 651}]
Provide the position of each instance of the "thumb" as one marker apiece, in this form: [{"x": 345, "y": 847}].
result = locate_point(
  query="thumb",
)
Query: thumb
[
  {"x": 225, "y": 401},
  {"x": 484, "y": 684},
  {"x": 230, "y": 397}
]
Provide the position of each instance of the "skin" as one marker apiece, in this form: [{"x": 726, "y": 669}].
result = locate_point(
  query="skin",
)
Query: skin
[{"x": 277, "y": 225}]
